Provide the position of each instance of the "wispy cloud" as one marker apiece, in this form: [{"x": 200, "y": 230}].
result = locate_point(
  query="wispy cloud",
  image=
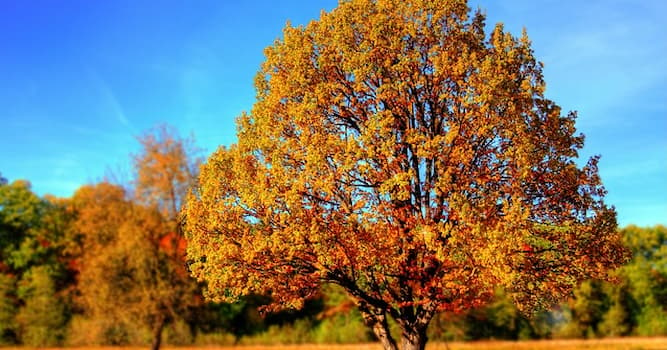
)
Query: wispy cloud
[{"x": 109, "y": 98}]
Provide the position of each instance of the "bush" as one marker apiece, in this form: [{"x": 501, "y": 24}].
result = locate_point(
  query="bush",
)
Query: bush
[
  {"x": 42, "y": 319},
  {"x": 298, "y": 332},
  {"x": 85, "y": 331},
  {"x": 178, "y": 333},
  {"x": 342, "y": 328},
  {"x": 652, "y": 322},
  {"x": 7, "y": 310}
]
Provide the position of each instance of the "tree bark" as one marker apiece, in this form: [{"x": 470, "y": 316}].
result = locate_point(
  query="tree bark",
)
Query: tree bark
[
  {"x": 414, "y": 338},
  {"x": 157, "y": 336},
  {"x": 377, "y": 321}
]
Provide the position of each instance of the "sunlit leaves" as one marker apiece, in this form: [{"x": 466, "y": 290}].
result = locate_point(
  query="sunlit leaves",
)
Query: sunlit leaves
[
  {"x": 165, "y": 169},
  {"x": 398, "y": 151}
]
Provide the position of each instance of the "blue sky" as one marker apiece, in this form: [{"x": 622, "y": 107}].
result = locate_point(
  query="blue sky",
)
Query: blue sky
[{"x": 80, "y": 79}]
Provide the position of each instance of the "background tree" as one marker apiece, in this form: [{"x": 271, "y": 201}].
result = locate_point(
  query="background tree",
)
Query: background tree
[
  {"x": 105, "y": 284},
  {"x": 398, "y": 152},
  {"x": 34, "y": 266},
  {"x": 7, "y": 309},
  {"x": 636, "y": 304},
  {"x": 42, "y": 320},
  {"x": 20, "y": 214},
  {"x": 126, "y": 281},
  {"x": 586, "y": 310},
  {"x": 645, "y": 280},
  {"x": 133, "y": 246},
  {"x": 165, "y": 170},
  {"x": 617, "y": 320}
]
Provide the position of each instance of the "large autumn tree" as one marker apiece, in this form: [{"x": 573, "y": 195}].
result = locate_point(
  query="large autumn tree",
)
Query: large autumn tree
[{"x": 397, "y": 150}]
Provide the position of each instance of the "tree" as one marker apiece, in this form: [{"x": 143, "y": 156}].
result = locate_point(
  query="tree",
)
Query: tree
[
  {"x": 20, "y": 214},
  {"x": 19, "y": 217},
  {"x": 133, "y": 249},
  {"x": 398, "y": 152},
  {"x": 128, "y": 279},
  {"x": 7, "y": 309},
  {"x": 33, "y": 266},
  {"x": 637, "y": 304},
  {"x": 586, "y": 310},
  {"x": 617, "y": 320},
  {"x": 646, "y": 276},
  {"x": 42, "y": 320},
  {"x": 106, "y": 286},
  {"x": 165, "y": 170}
]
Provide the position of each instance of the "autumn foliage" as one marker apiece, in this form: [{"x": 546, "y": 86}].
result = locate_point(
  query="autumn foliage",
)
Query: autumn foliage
[
  {"x": 397, "y": 150},
  {"x": 133, "y": 248}
]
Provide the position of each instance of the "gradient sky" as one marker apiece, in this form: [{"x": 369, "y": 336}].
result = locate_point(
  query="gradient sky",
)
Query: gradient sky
[{"x": 80, "y": 79}]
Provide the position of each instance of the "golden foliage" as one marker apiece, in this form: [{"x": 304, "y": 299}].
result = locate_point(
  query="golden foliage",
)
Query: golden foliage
[
  {"x": 396, "y": 150},
  {"x": 165, "y": 169},
  {"x": 131, "y": 270}
]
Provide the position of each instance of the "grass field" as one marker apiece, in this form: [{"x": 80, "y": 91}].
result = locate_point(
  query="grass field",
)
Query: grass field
[{"x": 598, "y": 344}]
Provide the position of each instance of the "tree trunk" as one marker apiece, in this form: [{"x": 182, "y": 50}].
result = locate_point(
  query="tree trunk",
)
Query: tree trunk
[
  {"x": 414, "y": 339},
  {"x": 413, "y": 329},
  {"x": 157, "y": 336},
  {"x": 377, "y": 321},
  {"x": 381, "y": 330}
]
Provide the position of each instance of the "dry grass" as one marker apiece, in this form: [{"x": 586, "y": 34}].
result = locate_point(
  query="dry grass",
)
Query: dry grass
[{"x": 598, "y": 344}]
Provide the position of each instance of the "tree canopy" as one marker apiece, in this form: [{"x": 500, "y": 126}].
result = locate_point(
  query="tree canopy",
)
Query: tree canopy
[
  {"x": 165, "y": 169},
  {"x": 133, "y": 247},
  {"x": 397, "y": 150}
]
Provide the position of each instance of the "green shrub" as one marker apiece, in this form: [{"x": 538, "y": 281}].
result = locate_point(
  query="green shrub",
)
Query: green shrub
[
  {"x": 42, "y": 320},
  {"x": 342, "y": 328},
  {"x": 298, "y": 332},
  {"x": 652, "y": 322},
  {"x": 7, "y": 310}
]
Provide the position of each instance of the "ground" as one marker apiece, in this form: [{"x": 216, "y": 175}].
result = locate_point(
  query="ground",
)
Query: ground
[{"x": 658, "y": 343}]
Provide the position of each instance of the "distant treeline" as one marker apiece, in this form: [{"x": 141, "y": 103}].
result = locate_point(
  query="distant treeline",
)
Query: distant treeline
[{"x": 107, "y": 266}]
